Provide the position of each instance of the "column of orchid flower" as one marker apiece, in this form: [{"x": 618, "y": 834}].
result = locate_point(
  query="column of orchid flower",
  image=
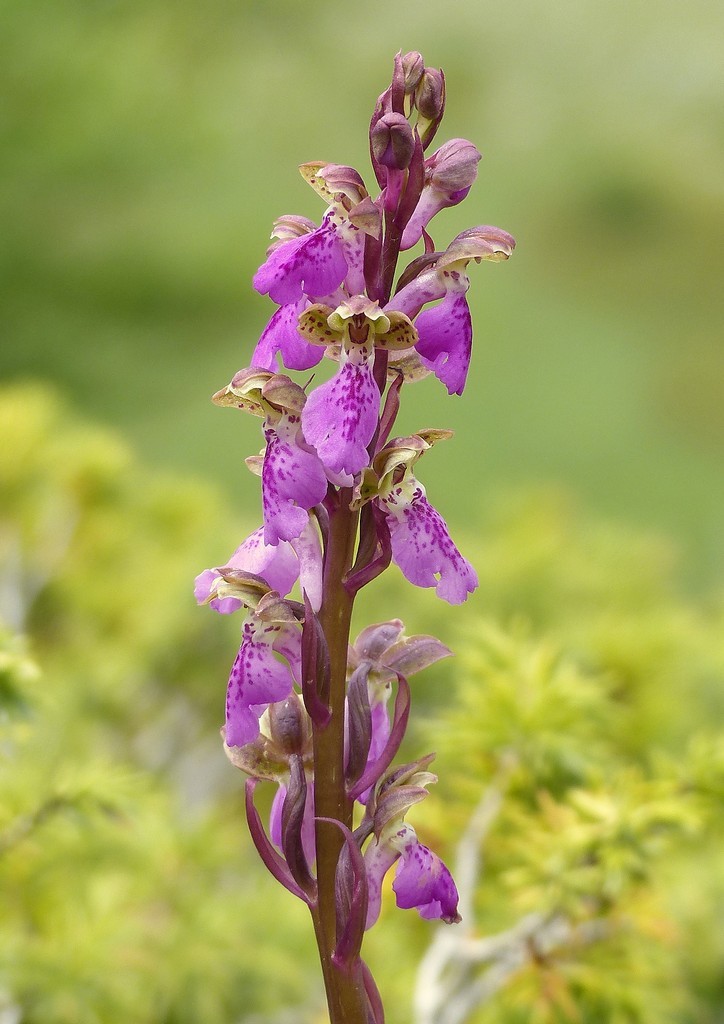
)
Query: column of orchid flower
[{"x": 304, "y": 708}]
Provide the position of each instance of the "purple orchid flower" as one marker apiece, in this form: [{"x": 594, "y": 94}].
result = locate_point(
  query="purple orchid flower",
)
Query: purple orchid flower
[
  {"x": 293, "y": 478},
  {"x": 421, "y": 544},
  {"x": 312, "y": 264},
  {"x": 445, "y": 331},
  {"x": 422, "y": 881},
  {"x": 258, "y": 677},
  {"x": 279, "y": 565},
  {"x": 340, "y": 416},
  {"x": 281, "y": 337}
]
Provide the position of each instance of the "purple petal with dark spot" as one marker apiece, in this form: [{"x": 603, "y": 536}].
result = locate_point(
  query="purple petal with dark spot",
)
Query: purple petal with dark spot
[
  {"x": 313, "y": 265},
  {"x": 422, "y": 881},
  {"x": 257, "y": 679},
  {"x": 423, "y": 550},
  {"x": 340, "y": 418},
  {"x": 293, "y": 481}
]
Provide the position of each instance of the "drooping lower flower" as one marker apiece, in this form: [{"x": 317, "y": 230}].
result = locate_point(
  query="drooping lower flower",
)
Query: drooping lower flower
[
  {"x": 340, "y": 417},
  {"x": 445, "y": 331},
  {"x": 259, "y": 677},
  {"x": 280, "y": 565},
  {"x": 421, "y": 544},
  {"x": 422, "y": 880},
  {"x": 292, "y": 476}
]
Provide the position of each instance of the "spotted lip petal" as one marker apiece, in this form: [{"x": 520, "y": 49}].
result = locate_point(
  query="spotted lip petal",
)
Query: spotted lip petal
[
  {"x": 313, "y": 264},
  {"x": 293, "y": 481},
  {"x": 340, "y": 418},
  {"x": 423, "y": 549},
  {"x": 423, "y": 881},
  {"x": 258, "y": 678}
]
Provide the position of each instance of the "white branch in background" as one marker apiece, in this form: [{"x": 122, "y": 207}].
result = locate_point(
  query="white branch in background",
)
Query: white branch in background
[{"x": 460, "y": 972}]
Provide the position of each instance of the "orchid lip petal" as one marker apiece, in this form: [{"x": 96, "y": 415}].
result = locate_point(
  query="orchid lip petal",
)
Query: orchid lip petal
[
  {"x": 340, "y": 418},
  {"x": 312, "y": 264},
  {"x": 422, "y": 547}
]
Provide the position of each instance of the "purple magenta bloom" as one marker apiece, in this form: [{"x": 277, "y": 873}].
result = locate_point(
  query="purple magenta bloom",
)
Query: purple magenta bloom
[
  {"x": 446, "y": 331},
  {"x": 312, "y": 264},
  {"x": 421, "y": 544},
  {"x": 340, "y": 416},
  {"x": 280, "y": 337},
  {"x": 446, "y": 339},
  {"x": 280, "y": 565},
  {"x": 293, "y": 480},
  {"x": 422, "y": 880},
  {"x": 258, "y": 678}
]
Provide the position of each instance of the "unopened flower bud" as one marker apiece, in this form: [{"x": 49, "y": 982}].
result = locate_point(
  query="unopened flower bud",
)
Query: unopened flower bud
[
  {"x": 453, "y": 167},
  {"x": 392, "y": 141},
  {"x": 430, "y": 94},
  {"x": 289, "y": 726},
  {"x": 413, "y": 65}
]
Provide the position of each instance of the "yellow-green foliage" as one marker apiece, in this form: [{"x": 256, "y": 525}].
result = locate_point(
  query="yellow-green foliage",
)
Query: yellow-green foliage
[
  {"x": 585, "y": 695},
  {"x": 129, "y": 889},
  {"x": 586, "y": 698}
]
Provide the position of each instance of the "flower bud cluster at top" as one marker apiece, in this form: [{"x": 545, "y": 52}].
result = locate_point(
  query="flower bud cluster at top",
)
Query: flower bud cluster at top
[{"x": 329, "y": 451}]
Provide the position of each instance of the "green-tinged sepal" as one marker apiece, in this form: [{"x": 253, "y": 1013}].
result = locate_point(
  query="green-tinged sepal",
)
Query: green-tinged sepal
[
  {"x": 357, "y": 321},
  {"x": 337, "y": 184},
  {"x": 242, "y": 586}
]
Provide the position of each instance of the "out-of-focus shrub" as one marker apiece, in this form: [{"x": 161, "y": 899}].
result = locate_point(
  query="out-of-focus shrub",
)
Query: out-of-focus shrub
[
  {"x": 577, "y": 728},
  {"x": 129, "y": 888}
]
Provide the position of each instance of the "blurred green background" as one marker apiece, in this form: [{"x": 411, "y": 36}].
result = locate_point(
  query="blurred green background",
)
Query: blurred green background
[{"x": 147, "y": 148}]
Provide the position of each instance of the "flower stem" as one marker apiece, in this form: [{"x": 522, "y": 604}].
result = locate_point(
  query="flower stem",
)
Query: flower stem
[{"x": 346, "y": 1000}]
